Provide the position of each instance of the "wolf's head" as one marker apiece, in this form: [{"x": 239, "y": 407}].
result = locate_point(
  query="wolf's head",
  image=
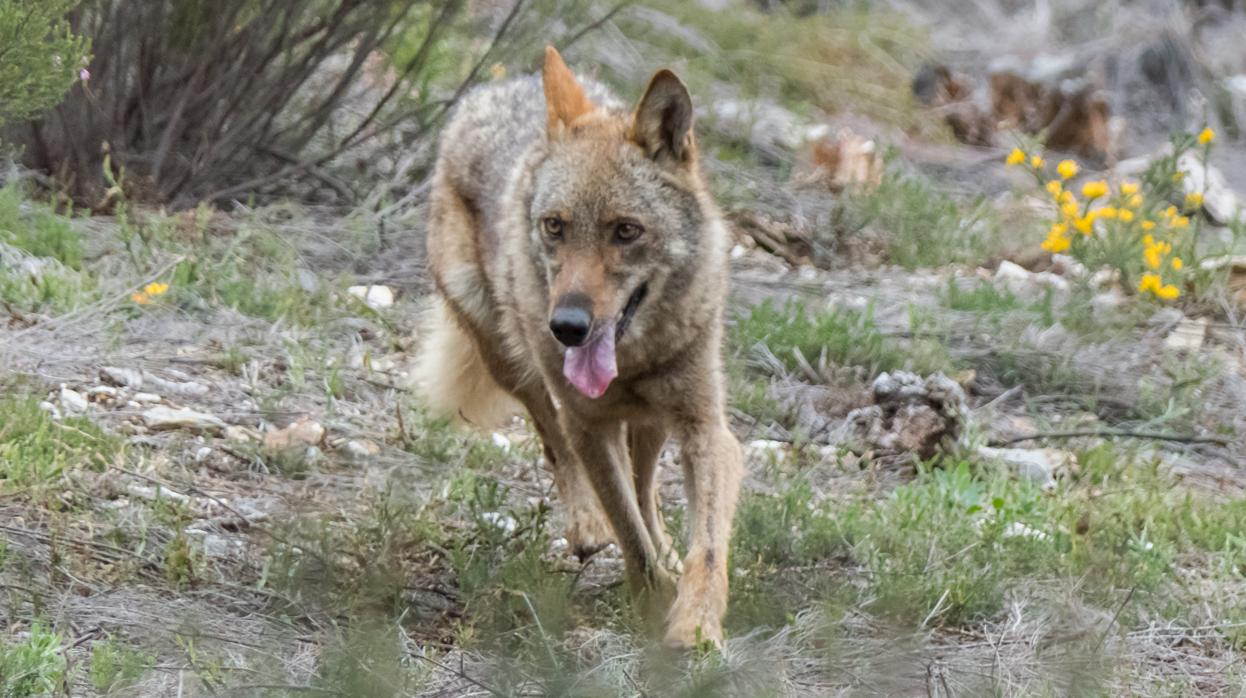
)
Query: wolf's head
[{"x": 617, "y": 215}]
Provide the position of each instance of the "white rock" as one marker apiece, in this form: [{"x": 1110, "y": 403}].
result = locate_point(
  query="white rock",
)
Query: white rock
[
  {"x": 202, "y": 454},
  {"x": 1219, "y": 201},
  {"x": 500, "y": 441},
  {"x": 359, "y": 449},
  {"x": 146, "y": 398},
  {"x": 738, "y": 251},
  {"x": 122, "y": 377},
  {"x": 73, "y": 402},
  {"x": 1187, "y": 335},
  {"x": 100, "y": 391},
  {"x": 376, "y": 296},
  {"x": 162, "y": 417}
]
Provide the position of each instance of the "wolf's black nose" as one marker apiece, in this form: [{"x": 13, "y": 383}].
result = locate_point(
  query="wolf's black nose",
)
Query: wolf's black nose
[{"x": 570, "y": 324}]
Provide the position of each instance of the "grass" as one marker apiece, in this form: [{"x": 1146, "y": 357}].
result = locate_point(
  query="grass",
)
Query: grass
[
  {"x": 841, "y": 60},
  {"x": 920, "y": 225},
  {"x": 32, "y": 667},
  {"x": 36, "y": 451},
  {"x": 37, "y": 229},
  {"x": 952, "y": 548},
  {"x": 839, "y": 337},
  {"x": 53, "y": 278},
  {"x": 115, "y": 667}
]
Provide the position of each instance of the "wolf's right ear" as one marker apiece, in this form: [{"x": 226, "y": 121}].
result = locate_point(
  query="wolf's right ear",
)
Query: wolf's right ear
[
  {"x": 565, "y": 100},
  {"x": 663, "y": 121}
]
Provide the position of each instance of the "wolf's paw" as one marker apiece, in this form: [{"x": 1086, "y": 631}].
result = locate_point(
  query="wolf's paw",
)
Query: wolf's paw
[
  {"x": 696, "y": 616},
  {"x": 688, "y": 628},
  {"x": 587, "y": 531}
]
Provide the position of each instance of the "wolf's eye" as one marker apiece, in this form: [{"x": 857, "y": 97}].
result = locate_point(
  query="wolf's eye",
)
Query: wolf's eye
[
  {"x": 626, "y": 232},
  {"x": 552, "y": 226}
]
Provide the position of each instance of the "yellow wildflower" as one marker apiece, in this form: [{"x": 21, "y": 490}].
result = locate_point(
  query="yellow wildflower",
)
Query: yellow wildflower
[
  {"x": 1056, "y": 241},
  {"x": 1092, "y": 190},
  {"x": 1129, "y": 188},
  {"x": 1016, "y": 157},
  {"x": 1150, "y": 282},
  {"x": 1152, "y": 257},
  {"x": 1177, "y": 263},
  {"x": 1085, "y": 225},
  {"x": 1193, "y": 200},
  {"x": 140, "y": 298},
  {"x": 1148, "y": 225},
  {"x": 1135, "y": 201},
  {"x": 1126, "y": 215},
  {"x": 1168, "y": 292},
  {"x": 1055, "y": 188},
  {"x": 1178, "y": 176},
  {"x": 1206, "y": 136},
  {"x": 156, "y": 288},
  {"x": 1148, "y": 240},
  {"x": 1170, "y": 212},
  {"x": 1069, "y": 210},
  {"x": 1108, "y": 212},
  {"x": 1036, "y": 161},
  {"x": 1067, "y": 169},
  {"x": 1180, "y": 222}
]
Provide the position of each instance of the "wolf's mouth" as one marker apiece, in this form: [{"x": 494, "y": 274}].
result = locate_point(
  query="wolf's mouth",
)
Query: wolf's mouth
[
  {"x": 591, "y": 366},
  {"x": 629, "y": 310}
]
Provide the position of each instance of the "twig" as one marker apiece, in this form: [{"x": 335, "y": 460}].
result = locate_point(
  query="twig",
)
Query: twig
[
  {"x": 595, "y": 25},
  {"x": 460, "y": 674},
  {"x": 1115, "y": 616},
  {"x": 1158, "y": 436}
]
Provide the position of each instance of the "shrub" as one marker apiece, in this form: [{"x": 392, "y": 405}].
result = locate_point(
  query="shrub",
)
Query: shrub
[
  {"x": 1146, "y": 231},
  {"x": 40, "y": 56},
  {"x": 200, "y": 99}
]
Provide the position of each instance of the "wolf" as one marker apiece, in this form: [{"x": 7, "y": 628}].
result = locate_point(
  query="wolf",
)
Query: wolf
[{"x": 580, "y": 265}]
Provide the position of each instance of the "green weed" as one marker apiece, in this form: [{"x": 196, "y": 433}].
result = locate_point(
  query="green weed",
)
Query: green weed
[
  {"x": 32, "y": 667},
  {"x": 36, "y": 450}
]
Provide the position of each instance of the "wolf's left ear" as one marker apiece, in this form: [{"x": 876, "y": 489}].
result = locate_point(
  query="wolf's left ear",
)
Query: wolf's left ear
[{"x": 663, "y": 121}]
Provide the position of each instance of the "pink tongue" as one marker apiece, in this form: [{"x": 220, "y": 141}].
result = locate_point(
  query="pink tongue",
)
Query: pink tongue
[{"x": 590, "y": 367}]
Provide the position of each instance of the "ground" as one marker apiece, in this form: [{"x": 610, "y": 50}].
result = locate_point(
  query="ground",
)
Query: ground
[{"x": 214, "y": 479}]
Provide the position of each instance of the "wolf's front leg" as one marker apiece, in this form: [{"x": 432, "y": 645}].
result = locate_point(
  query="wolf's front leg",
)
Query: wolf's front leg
[
  {"x": 602, "y": 449},
  {"x": 713, "y": 466}
]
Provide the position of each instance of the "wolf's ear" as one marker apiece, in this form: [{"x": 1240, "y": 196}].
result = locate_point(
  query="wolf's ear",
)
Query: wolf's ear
[
  {"x": 565, "y": 100},
  {"x": 663, "y": 121}
]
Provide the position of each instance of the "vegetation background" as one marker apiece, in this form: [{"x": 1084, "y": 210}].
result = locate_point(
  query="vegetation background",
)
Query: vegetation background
[{"x": 987, "y": 352}]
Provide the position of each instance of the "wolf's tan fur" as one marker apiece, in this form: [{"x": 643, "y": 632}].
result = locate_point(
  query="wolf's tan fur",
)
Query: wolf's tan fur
[{"x": 514, "y": 155}]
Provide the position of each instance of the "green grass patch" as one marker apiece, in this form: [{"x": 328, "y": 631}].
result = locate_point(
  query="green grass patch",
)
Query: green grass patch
[
  {"x": 922, "y": 226},
  {"x": 842, "y": 337},
  {"x": 115, "y": 667},
  {"x": 38, "y": 230},
  {"x": 34, "y": 666},
  {"x": 952, "y": 546},
  {"x": 36, "y": 450},
  {"x": 844, "y": 59}
]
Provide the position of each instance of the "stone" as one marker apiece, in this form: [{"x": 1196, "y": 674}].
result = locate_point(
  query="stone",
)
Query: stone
[
  {"x": 375, "y": 296},
  {"x": 164, "y": 418}
]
